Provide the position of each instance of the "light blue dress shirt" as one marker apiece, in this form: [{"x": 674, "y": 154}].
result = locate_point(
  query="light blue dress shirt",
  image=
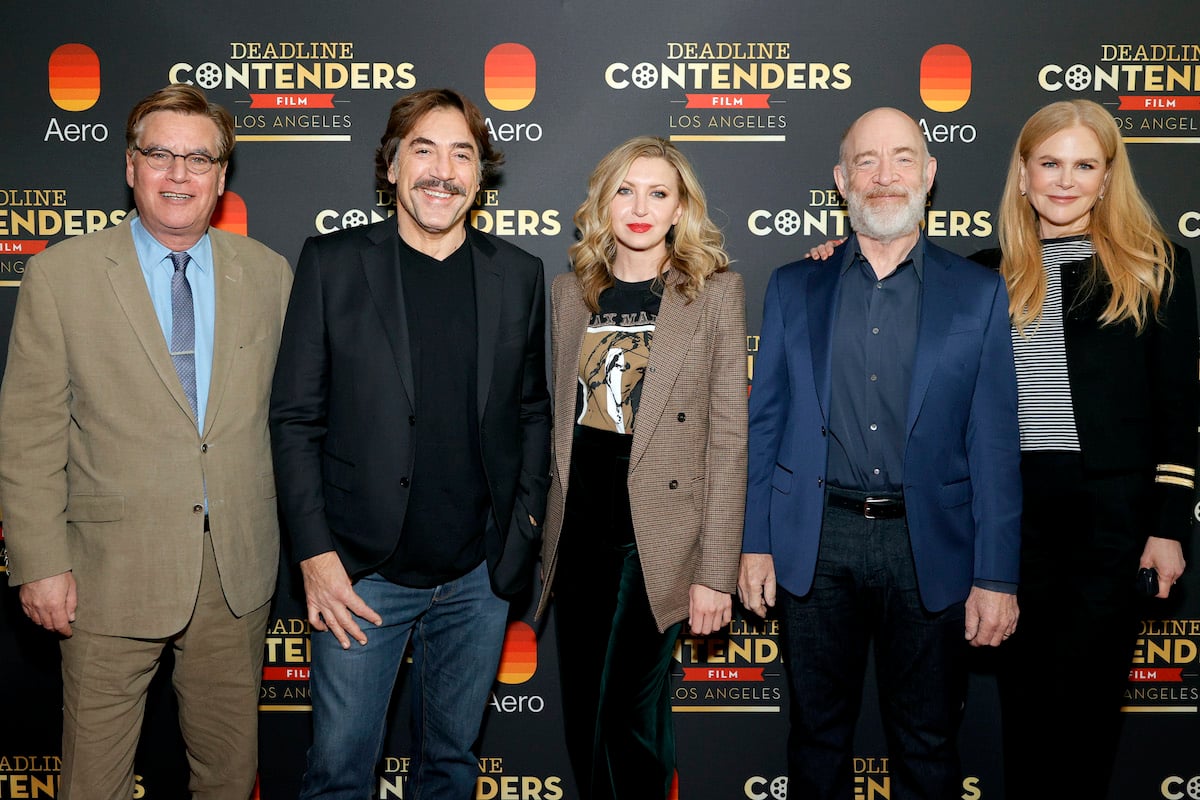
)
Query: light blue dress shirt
[{"x": 157, "y": 269}]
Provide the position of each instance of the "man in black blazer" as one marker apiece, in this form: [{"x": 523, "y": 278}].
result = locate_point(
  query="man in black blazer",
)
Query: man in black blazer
[{"x": 410, "y": 427}]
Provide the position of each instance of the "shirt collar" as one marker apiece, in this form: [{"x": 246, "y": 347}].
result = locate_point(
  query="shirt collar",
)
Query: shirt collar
[
  {"x": 916, "y": 255},
  {"x": 152, "y": 252}
]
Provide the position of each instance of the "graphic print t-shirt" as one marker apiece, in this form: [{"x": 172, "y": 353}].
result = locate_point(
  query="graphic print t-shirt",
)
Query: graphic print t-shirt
[{"x": 616, "y": 347}]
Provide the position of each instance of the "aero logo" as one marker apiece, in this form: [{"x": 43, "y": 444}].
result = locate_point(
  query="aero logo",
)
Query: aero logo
[
  {"x": 945, "y": 77},
  {"x": 230, "y": 214},
  {"x": 74, "y": 73},
  {"x": 510, "y": 76},
  {"x": 518, "y": 659}
]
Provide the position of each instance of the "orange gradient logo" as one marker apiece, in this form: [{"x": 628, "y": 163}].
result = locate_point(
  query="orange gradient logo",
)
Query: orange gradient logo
[
  {"x": 230, "y": 214},
  {"x": 510, "y": 76},
  {"x": 74, "y": 73},
  {"x": 945, "y": 77},
  {"x": 518, "y": 659}
]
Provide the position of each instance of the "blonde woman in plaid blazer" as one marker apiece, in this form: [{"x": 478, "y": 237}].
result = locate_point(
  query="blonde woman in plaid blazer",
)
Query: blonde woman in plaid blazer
[{"x": 648, "y": 480}]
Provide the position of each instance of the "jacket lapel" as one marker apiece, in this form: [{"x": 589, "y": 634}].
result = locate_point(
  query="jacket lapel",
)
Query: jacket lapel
[
  {"x": 129, "y": 286},
  {"x": 381, "y": 269},
  {"x": 822, "y": 298},
  {"x": 227, "y": 275},
  {"x": 571, "y": 319},
  {"x": 489, "y": 292},
  {"x": 673, "y": 332},
  {"x": 937, "y": 311}
]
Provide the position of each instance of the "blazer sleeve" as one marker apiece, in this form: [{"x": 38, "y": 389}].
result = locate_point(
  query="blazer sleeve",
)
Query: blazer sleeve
[
  {"x": 299, "y": 407},
  {"x": 555, "y": 345},
  {"x": 994, "y": 450},
  {"x": 34, "y": 415},
  {"x": 725, "y": 468},
  {"x": 770, "y": 400},
  {"x": 1175, "y": 402}
]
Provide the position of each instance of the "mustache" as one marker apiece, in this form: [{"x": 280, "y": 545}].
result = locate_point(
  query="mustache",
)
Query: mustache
[
  {"x": 889, "y": 191},
  {"x": 441, "y": 186}
]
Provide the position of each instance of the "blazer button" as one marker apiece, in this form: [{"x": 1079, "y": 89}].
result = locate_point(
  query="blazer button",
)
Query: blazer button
[
  {"x": 822, "y": 430},
  {"x": 198, "y": 508},
  {"x": 404, "y": 483},
  {"x": 682, "y": 416},
  {"x": 820, "y": 481},
  {"x": 204, "y": 447},
  {"x": 673, "y": 485},
  {"x": 412, "y": 420}
]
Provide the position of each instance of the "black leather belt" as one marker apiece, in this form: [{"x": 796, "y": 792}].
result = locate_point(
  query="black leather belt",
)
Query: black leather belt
[{"x": 870, "y": 506}]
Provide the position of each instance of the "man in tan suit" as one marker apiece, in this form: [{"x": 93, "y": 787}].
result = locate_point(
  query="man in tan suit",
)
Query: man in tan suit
[{"x": 135, "y": 466}]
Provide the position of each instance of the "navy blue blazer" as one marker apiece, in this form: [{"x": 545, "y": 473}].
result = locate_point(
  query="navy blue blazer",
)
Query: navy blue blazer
[{"x": 962, "y": 482}]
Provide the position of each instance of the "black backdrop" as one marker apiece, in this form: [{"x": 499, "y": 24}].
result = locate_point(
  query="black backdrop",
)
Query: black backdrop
[{"x": 756, "y": 92}]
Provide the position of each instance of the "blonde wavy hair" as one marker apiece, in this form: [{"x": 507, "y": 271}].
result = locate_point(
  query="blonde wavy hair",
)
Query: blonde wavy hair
[
  {"x": 695, "y": 247},
  {"x": 1133, "y": 257}
]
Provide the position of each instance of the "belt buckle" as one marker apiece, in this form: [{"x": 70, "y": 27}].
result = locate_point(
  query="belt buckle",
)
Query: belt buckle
[{"x": 870, "y": 504}]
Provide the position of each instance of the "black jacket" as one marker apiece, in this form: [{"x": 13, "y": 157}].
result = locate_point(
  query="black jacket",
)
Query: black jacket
[
  {"x": 1136, "y": 396},
  {"x": 342, "y": 406}
]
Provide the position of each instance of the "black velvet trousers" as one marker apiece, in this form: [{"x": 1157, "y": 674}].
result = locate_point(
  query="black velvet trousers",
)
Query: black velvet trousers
[{"x": 612, "y": 659}]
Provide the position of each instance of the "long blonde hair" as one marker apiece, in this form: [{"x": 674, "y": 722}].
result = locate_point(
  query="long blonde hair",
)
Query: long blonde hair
[
  {"x": 1133, "y": 256},
  {"x": 695, "y": 247}
]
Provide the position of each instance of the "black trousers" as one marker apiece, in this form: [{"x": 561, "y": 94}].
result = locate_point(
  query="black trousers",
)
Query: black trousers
[
  {"x": 1062, "y": 674},
  {"x": 613, "y": 662}
]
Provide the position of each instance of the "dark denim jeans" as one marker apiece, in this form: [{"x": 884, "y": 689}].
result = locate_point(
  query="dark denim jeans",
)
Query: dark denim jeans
[
  {"x": 458, "y": 631},
  {"x": 865, "y": 591}
]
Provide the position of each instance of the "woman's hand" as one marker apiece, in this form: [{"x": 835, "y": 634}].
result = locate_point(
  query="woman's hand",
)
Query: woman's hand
[
  {"x": 1166, "y": 557},
  {"x": 708, "y": 609}
]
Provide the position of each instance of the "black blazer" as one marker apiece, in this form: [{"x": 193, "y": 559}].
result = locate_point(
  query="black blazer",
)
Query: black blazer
[
  {"x": 1136, "y": 396},
  {"x": 342, "y": 412}
]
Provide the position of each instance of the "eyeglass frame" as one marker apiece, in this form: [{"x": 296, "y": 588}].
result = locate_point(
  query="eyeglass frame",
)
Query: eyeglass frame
[{"x": 147, "y": 151}]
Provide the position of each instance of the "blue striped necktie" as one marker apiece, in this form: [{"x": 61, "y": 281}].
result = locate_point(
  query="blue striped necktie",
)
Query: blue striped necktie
[{"x": 183, "y": 329}]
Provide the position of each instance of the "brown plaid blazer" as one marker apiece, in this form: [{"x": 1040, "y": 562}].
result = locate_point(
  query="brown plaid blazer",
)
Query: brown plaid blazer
[{"x": 687, "y": 468}]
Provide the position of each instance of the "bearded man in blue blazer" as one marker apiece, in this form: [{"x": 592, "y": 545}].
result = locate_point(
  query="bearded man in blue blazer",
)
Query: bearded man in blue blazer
[{"x": 884, "y": 490}]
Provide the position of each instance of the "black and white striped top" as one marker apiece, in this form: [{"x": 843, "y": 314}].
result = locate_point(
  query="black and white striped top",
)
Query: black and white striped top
[{"x": 1044, "y": 409}]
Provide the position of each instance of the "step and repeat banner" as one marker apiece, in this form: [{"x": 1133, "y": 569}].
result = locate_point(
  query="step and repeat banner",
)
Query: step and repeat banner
[{"x": 757, "y": 94}]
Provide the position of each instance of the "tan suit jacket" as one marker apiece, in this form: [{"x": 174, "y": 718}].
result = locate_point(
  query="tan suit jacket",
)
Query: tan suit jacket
[
  {"x": 687, "y": 467},
  {"x": 102, "y": 469}
]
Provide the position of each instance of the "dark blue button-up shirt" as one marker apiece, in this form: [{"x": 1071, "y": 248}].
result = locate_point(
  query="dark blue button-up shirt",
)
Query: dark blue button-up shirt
[{"x": 874, "y": 339}]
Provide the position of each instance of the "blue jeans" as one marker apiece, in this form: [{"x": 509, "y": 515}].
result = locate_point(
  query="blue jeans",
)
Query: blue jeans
[
  {"x": 457, "y": 630},
  {"x": 865, "y": 591}
]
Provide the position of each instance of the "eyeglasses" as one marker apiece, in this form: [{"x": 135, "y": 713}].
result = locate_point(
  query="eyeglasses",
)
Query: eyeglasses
[{"x": 162, "y": 159}]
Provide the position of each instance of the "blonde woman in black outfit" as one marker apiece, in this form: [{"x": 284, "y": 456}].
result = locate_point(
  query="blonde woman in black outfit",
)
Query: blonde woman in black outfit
[{"x": 1104, "y": 335}]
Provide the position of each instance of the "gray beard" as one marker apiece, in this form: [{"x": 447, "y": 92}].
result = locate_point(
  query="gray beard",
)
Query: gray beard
[{"x": 885, "y": 226}]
